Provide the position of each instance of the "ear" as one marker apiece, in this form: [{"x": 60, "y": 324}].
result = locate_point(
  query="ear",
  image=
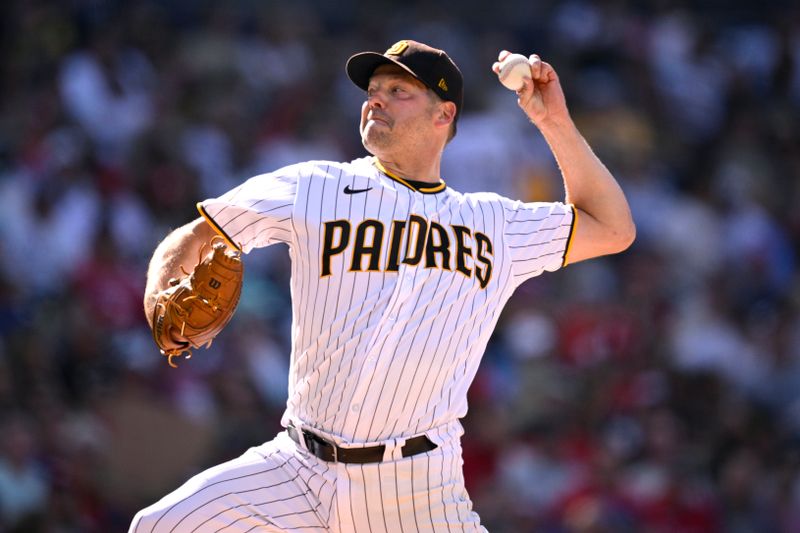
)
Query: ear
[{"x": 446, "y": 113}]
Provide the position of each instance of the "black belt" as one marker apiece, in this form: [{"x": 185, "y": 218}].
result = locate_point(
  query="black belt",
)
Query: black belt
[{"x": 328, "y": 451}]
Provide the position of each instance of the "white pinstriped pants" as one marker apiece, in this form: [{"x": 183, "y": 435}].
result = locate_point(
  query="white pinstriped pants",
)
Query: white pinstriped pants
[{"x": 279, "y": 486}]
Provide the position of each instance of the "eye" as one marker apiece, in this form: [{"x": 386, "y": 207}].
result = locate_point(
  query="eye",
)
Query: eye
[{"x": 400, "y": 91}]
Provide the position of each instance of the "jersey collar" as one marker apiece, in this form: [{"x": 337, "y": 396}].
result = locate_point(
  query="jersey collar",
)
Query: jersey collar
[{"x": 428, "y": 189}]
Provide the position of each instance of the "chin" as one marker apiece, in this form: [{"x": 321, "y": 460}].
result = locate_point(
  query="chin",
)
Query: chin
[
  {"x": 374, "y": 141},
  {"x": 367, "y": 147}
]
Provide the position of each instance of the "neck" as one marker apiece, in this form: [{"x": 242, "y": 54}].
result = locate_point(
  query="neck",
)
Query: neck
[{"x": 416, "y": 169}]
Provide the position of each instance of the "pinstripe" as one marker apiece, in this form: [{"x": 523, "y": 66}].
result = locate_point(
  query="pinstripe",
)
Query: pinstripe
[
  {"x": 311, "y": 362},
  {"x": 442, "y": 365},
  {"x": 315, "y": 331},
  {"x": 428, "y": 489},
  {"x": 366, "y": 497},
  {"x": 271, "y": 522},
  {"x": 270, "y": 229},
  {"x": 472, "y": 300},
  {"x": 416, "y": 367},
  {"x": 386, "y": 375},
  {"x": 405, "y": 360},
  {"x": 307, "y": 481},
  {"x": 525, "y": 220},
  {"x": 455, "y": 354},
  {"x": 329, "y": 507},
  {"x": 350, "y": 304},
  {"x": 385, "y": 338},
  {"x": 371, "y": 379},
  {"x": 324, "y": 309},
  {"x": 423, "y": 351},
  {"x": 259, "y": 526},
  {"x": 442, "y": 470},
  {"x": 238, "y": 478},
  {"x": 382, "y": 499},
  {"x": 503, "y": 280},
  {"x": 539, "y": 256},
  {"x": 415, "y": 514},
  {"x": 339, "y": 292},
  {"x": 416, "y": 370},
  {"x": 351, "y": 498},
  {"x": 276, "y": 467},
  {"x": 453, "y": 488},
  {"x": 299, "y": 355},
  {"x": 238, "y": 493},
  {"x": 533, "y": 245},
  {"x": 303, "y": 274},
  {"x": 462, "y": 520},
  {"x": 510, "y": 234},
  {"x": 361, "y": 308},
  {"x": 339, "y": 501},
  {"x": 294, "y": 233},
  {"x": 400, "y": 513},
  {"x": 255, "y": 503}
]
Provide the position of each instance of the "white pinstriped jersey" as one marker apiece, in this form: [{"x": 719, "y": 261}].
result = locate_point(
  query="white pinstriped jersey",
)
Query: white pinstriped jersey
[{"x": 395, "y": 290}]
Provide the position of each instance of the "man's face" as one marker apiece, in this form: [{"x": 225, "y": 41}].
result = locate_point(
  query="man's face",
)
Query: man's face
[{"x": 399, "y": 111}]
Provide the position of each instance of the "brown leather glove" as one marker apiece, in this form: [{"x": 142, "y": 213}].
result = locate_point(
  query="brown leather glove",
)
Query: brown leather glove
[{"x": 194, "y": 309}]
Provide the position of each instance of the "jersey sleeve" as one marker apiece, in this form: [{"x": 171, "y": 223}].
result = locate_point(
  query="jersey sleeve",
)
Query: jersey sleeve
[
  {"x": 538, "y": 235},
  {"x": 257, "y": 213}
]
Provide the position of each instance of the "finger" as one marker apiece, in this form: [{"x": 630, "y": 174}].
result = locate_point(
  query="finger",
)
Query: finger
[
  {"x": 548, "y": 72},
  {"x": 526, "y": 89},
  {"x": 502, "y": 55},
  {"x": 536, "y": 66},
  {"x": 496, "y": 67}
]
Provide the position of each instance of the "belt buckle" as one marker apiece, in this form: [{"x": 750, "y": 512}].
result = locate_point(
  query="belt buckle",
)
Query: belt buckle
[
  {"x": 310, "y": 442},
  {"x": 318, "y": 443}
]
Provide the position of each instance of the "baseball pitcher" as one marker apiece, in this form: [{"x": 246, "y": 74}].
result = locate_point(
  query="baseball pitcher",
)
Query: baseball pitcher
[{"x": 397, "y": 284}]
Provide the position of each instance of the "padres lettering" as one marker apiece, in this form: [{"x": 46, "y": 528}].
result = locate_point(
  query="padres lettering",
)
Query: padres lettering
[{"x": 456, "y": 247}]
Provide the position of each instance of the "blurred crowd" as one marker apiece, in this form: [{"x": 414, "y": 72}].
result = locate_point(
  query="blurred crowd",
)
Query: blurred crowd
[{"x": 657, "y": 391}]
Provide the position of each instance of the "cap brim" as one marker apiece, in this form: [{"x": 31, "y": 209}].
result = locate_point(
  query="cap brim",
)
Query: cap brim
[{"x": 361, "y": 66}]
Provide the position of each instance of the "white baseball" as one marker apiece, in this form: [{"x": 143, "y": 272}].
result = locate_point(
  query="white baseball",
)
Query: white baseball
[{"x": 513, "y": 69}]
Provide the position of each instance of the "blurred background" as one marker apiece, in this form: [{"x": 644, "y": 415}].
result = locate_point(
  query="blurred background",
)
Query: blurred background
[{"x": 656, "y": 391}]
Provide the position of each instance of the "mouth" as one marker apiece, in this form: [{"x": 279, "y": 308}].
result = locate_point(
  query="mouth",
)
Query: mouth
[{"x": 377, "y": 118}]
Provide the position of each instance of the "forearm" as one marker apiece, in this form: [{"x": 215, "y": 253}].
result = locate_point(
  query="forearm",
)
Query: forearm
[
  {"x": 179, "y": 248},
  {"x": 589, "y": 185},
  {"x": 604, "y": 224}
]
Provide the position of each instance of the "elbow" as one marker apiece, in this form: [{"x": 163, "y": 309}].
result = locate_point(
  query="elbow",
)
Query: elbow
[
  {"x": 619, "y": 237},
  {"x": 594, "y": 239},
  {"x": 626, "y": 234}
]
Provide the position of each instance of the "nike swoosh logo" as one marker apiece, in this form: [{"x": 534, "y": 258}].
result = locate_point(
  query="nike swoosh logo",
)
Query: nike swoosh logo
[{"x": 348, "y": 190}]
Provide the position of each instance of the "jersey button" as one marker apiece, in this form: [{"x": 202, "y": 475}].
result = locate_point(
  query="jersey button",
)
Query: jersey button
[{"x": 356, "y": 407}]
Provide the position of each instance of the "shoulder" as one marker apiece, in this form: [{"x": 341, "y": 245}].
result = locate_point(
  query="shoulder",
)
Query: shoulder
[
  {"x": 513, "y": 209},
  {"x": 324, "y": 169},
  {"x": 484, "y": 198},
  {"x": 510, "y": 204},
  {"x": 302, "y": 171}
]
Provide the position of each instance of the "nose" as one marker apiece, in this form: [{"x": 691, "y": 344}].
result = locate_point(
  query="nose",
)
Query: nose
[{"x": 375, "y": 100}]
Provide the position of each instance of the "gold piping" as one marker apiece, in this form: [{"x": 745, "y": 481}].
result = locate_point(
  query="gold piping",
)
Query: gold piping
[
  {"x": 218, "y": 229},
  {"x": 571, "y": 234},
  {"x": 434, "y": 188}
]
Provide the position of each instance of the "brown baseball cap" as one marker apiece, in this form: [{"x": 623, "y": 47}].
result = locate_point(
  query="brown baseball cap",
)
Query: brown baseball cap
[{"x": 431, "y": 66}]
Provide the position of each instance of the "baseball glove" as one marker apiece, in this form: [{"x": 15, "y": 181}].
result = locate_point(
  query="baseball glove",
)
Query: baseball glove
[{"x": 198, "y": 306}]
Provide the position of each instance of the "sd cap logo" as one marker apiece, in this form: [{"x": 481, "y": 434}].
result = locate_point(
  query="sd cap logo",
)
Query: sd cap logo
[
  {"x": 397, "y": 48},
  {"x": 442, "y": 85}
]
